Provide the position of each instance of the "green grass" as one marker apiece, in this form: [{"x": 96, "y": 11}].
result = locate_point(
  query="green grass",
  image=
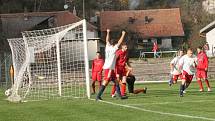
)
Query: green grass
[{"x": 160, "y": 97}]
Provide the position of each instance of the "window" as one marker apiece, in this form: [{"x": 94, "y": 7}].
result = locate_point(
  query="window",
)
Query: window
[{"x": 159, "y": 41}]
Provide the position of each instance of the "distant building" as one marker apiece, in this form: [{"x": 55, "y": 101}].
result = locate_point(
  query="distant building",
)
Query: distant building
[
  {"x": 163, "y": 26},
  {"x": 209, "y": 6},
  {"x": 13, "y": 24},
  {"x": 209, "y": 33}
]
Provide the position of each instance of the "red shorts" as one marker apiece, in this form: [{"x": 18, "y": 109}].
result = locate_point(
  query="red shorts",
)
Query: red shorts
[
  {"x": 175, "y": 77},
  {"x": 120, "y": 71},
  {"x": 201, "y": 74},
  {"x": 96, "y": 76},
  {"x": 186, "y": 76},
  {"x": 111, "y": 76}
]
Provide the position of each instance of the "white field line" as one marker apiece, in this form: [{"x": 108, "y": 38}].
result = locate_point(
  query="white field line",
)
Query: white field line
[
  {"x": 158, "y": 112},
  {"x": 164, "y": 103}
]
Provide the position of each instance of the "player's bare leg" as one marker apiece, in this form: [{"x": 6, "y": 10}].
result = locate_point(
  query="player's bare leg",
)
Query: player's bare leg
[
  {"x": 200, "y": 85},
  {"x": 208, "y": 84},
  {"x": 93, "y": 88}
]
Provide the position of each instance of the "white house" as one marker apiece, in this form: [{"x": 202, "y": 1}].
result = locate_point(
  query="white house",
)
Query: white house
[
  {"x": 209, "y": 32},
  {"x": 209, "y": 6},
  {"x": 13, "y": 24}
]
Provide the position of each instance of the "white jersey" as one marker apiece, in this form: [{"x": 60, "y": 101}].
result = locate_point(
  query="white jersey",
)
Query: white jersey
[
  {"x": 188, "y": 64},
  {"x": 110, "y": 56},
  {"x": 175, "y": 62}
]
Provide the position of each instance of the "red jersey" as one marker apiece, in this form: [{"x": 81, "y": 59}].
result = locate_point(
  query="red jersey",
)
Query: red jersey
[
  {"x": 121, "y": 58},
  {"x": 202, "y": 61},
  {"x": 97, "y": 65},
  {"x": 155, "y": 47}
]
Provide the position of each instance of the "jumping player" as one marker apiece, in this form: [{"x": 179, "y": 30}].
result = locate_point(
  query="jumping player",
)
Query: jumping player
[
  {"x": 175, "y": 71},
  {"x": 109, "y": 65},
  {"x": 202, "y": 68},
  {"x": 97, "y": 65},
  {"x": 187, "y": 64},
  {"x": 121, "y": 62}
]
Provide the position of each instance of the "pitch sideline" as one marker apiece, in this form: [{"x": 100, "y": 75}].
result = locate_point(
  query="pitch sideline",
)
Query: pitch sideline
[
  {"x": 157, "y": 112},
  {"x": 163, "y": 103}
]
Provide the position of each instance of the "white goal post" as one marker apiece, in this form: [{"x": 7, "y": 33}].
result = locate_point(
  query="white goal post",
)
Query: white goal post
[{"x": 51, "y": 63}]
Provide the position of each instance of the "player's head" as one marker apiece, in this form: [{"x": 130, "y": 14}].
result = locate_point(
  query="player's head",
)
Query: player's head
[
  {"x": 180, "y": 52},
  {"x": 112, "y": 42},
  {"x": 189, "y": 52},
  {"x": 199, "y": 49},
  {"x": 98, "y": 55},
  {"x": 124, "y": 46}
]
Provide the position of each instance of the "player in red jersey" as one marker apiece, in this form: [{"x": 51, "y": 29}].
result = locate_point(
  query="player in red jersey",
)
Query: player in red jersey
[
  {"x": 97, "y": 65},
  {"x": 120, "y": 69},
  {"x": 202, "y": 68}
]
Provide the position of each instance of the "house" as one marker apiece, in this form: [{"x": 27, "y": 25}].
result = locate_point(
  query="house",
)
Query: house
[
  {"x": 209, "y": 6},
  {"x": 13, "y": 24},
  {"x": 163, "y": 26},
  {"x": 208, "y": 32}
]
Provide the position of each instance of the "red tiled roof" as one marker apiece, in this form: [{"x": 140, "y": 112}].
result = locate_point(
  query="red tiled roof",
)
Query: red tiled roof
[{"x": 163, "y": 22}]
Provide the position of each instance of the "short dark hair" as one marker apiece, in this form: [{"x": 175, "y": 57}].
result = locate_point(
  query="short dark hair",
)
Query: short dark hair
[
  {"x": 98, "y": 52},
  {"x": 124, "y": 43},
  {"x": 190, "y": 49},
  {"x": 200, "y": 47},
  {"x": 112, "y": 42}
]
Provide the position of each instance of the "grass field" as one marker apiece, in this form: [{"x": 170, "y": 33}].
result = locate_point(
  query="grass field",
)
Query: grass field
[{"x": 161, "y": 103}]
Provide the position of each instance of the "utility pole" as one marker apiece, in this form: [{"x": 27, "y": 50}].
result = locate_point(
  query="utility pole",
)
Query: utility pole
[{"x": 83, "y": 9}]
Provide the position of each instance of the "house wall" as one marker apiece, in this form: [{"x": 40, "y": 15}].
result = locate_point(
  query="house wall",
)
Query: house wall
[
  {"x": 209, "y": 6},
  {"x": 93, "y": 45},
  {"x": 92, "y": 49},
  {"x": 210, "y": 38},
  {"x": 166, "y": 43}
]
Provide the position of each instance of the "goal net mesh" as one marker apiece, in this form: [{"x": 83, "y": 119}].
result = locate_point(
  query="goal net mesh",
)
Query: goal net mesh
[{"x": 50, "y": 63}]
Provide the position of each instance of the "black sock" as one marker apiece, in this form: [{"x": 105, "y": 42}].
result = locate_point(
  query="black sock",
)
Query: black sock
[
  {"x": 101, "y": 91},
  {"x": 182, "y": 87},
  {"x": 118, "y": 90}
]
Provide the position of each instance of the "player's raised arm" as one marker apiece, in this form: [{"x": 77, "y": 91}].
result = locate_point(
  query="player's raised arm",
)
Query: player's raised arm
[
  {"x": 108, "y": 36},
  {"x": 121, "y": 38}
]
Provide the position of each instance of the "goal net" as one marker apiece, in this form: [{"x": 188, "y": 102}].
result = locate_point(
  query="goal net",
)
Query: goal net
[{"x": 51, "y": 63}]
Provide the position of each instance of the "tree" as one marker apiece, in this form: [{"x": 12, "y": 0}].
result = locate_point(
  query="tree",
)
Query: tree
[{"x": 194, "y": 18}]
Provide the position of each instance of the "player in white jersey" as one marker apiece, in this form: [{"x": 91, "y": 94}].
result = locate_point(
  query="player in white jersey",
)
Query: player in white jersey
[
  {"x": 175, "y": 70},
  {"x": 187, "y": 64},
  {"x": 109, "y": 65}
]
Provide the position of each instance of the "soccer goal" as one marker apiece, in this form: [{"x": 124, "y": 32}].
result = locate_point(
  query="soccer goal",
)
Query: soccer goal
[{"x": 51, "y": 63}]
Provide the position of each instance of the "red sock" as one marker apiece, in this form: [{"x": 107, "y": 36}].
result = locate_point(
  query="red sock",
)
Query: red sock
[
  {"x": 113, "y": 89},
  {"x": 207, "y": 83},
  {"x": 200, "y": 84},
  {"x": 123, "y": 89}
]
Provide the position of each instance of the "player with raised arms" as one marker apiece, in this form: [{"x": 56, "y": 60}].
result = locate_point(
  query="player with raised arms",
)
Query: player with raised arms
[{"x": 109, "y": 65}]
